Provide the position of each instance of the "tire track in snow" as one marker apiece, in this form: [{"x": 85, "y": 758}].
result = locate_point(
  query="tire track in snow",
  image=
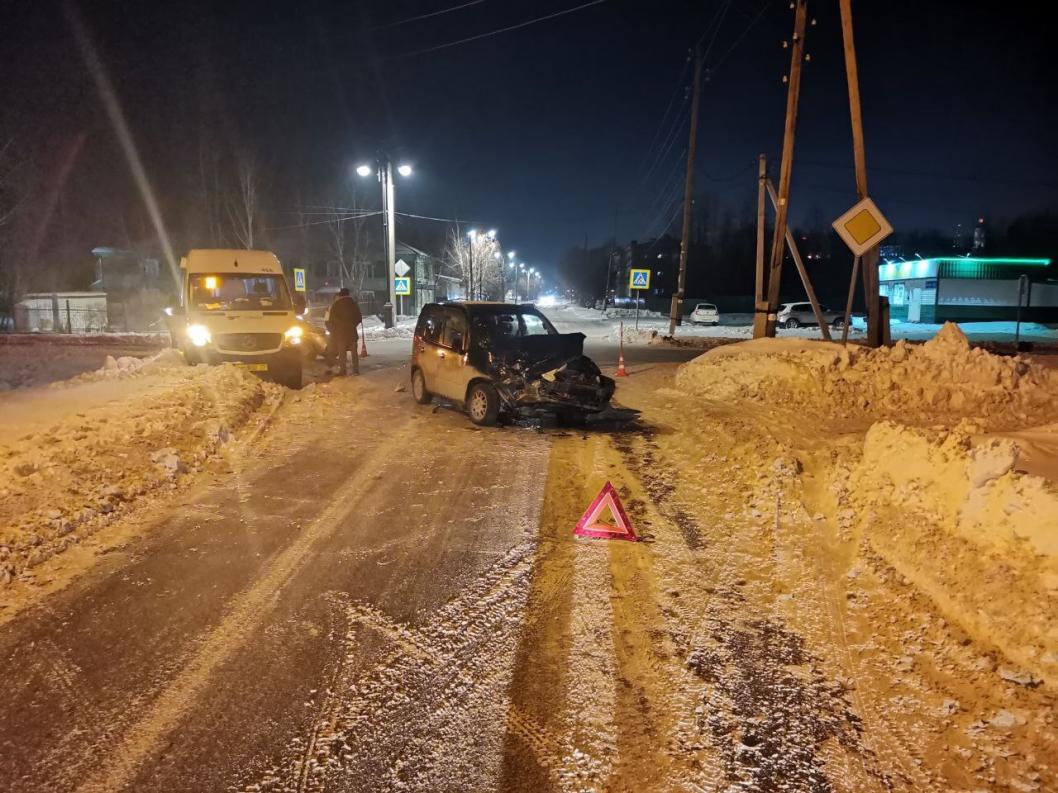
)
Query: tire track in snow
[
  {"x": 244, "y": 616},
  {"x": 764, "y": 739}
]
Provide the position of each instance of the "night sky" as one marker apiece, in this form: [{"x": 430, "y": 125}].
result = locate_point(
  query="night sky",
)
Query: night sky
[{"x": 545, "y": 132}]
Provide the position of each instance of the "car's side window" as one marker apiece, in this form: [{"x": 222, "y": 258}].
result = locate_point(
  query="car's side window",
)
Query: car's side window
[
  {"x": 455, "y": 329},
  {"x": 534, "y": 325},
  {"x": 430, "y": 326}
]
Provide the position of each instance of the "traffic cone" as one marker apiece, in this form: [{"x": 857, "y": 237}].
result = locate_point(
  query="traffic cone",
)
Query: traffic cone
[
  {"x": 363, "y": 342},
  {"x": 621, "y": 371}
]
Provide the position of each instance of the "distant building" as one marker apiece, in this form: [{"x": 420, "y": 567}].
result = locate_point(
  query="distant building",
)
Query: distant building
[
  {"x": 979, "y": 236},
  {"x": 966, "y": 289},
  {"x": 661, "y": 256},
  {"x": 958, "y": 240}
]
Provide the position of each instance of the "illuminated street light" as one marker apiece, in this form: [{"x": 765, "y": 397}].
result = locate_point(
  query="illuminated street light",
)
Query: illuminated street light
[{"x": 389, "y": 227}]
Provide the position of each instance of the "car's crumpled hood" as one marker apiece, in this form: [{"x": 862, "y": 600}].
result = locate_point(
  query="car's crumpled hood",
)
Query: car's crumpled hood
[{"x": 539, "y": 354}]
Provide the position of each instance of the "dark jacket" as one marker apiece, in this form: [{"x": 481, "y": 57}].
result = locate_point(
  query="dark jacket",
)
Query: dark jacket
[{"x": 344, "y": 316}]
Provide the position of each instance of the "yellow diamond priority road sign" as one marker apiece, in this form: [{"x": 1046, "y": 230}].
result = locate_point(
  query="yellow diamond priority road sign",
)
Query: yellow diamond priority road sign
[{"x": 863, "y": 227}]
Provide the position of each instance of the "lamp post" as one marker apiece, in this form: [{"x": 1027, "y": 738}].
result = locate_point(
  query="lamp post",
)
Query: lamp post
[
  {"x": 528, "y": 275},
  {"x": 503, "y": 275},
  {"x": 389, "y": 226}
]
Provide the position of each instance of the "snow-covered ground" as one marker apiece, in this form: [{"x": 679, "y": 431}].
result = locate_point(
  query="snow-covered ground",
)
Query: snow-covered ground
[
  {"x": 28, "y": 360},
  {"x": 934, "y": 484},
  {"x": 375, "y": 329},
  {"x": 80, "y": 453}
]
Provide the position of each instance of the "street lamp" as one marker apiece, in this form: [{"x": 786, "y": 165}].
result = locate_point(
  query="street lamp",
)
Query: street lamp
[
  {"x": 389, "y": 226},
  {"x": 528, "y": 275}
]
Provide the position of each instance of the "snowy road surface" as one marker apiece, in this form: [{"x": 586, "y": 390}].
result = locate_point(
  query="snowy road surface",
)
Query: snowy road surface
[{"x": 370, "y": 595}]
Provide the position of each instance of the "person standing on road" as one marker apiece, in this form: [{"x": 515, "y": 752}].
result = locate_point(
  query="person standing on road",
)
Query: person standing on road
[{"x": 342, "y": 320}]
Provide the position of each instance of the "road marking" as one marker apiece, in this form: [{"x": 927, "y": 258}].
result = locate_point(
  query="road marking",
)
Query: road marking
[{"x": 234, "y": 629}]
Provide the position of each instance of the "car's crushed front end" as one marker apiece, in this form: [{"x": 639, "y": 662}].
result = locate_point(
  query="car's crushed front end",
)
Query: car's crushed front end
[{"x": 549, "y": 377}]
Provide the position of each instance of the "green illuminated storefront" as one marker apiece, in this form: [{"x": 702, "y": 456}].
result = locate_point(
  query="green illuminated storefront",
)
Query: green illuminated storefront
[{"x": 968, "y": 289}]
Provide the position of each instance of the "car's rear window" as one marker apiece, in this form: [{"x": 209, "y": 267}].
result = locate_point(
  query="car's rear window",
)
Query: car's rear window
[{"x": 498, "y": 323}]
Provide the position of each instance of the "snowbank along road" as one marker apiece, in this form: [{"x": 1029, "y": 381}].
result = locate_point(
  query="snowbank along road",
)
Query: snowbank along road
[{"x": 366, "y": 594}]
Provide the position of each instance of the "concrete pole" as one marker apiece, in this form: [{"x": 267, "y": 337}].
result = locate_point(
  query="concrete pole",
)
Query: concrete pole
[{"x": 391, "y": 243}]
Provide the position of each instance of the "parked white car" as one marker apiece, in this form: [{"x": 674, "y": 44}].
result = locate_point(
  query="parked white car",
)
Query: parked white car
[
  {"x": 705, "y": 314},
  {"x": 799, "y": 315}
]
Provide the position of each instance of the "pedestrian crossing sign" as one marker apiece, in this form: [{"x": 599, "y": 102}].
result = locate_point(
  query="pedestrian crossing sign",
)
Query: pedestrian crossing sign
[
  {"x": 299, "y": 279},
  {"x": 639, "y": 279},
  {"x": 403, "y": 286}
]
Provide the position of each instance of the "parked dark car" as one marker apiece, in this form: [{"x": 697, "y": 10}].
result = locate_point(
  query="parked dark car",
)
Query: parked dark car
[{"x": 498, "y": 359}]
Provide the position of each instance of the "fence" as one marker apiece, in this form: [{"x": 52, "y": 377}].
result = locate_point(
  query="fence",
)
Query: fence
[{"x": 62, "y": 316}]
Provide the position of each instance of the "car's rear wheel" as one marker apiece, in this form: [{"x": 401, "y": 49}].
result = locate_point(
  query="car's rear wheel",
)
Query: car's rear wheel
[
  {"x": 483, "y": 404},
  {"x": 838, "y": 323},
  {"x": 791, "y": 323},
  {"x": 418, "y": 388}
]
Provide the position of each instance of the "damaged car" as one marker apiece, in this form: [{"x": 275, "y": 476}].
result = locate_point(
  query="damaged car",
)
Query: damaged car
[{"x": 507, "y": 361}]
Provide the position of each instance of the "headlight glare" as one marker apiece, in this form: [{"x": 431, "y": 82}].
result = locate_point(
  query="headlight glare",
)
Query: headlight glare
[
  {"x": 294, "y": 334},
  {"x": 199, "y": 335}
]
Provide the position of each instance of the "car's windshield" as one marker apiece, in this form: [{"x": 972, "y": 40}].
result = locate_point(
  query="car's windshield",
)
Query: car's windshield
[
  {"x": 497, "y": 324},
  {"x": 237, "y": 292}
]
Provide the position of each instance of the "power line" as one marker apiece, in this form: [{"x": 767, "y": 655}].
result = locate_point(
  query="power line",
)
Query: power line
[
  {"x": 498, "y": 31},
  {"x": 444, "y": 220},
  {"x": 670, "y": 139},
  {"x": 664, "y": 116},
  {"x": 741, "y": 36},
  {"x": 427, "y": 16},
  {"x": 332, "y": 219}
]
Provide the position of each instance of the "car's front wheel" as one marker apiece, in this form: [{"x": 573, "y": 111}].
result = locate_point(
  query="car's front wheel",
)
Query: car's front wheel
[
  {"x": 838, "y": 323},
  {"x": 791, "y": 323},
  {"x": 483, "y": 404},
  {"x": 418, "y": 388}
]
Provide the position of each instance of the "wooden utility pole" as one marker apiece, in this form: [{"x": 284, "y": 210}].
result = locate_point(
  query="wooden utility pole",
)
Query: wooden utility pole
[
  {"x": 870, "y": 258},
  {"x": 760, "y": 307},
  {"x": 786, "y": 167},
  {"x": 675, "y": 316},
  {"x": 791, "y": 243}
]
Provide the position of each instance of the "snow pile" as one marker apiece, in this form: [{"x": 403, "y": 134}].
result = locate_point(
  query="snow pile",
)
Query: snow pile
[
  {"x": 126, "y": 366},
  {"x": 942, "y": 379},
  {"x": 403, "y": 329},
  {"x": 396, "y": 332},
  {"x": 976, "y": 536},
  {"x": 64, "y": 480}
]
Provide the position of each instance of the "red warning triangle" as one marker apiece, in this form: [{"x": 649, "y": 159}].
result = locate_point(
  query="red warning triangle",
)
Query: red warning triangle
[{"x": 589, "y": 525}]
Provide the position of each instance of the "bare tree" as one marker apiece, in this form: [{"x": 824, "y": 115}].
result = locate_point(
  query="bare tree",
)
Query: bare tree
[
  {"x": 476, "y": 261},
  {"x": 242, "y": 202},
  {"x": 348, "y": 241},
  {"x": 14, "y": 191}
]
